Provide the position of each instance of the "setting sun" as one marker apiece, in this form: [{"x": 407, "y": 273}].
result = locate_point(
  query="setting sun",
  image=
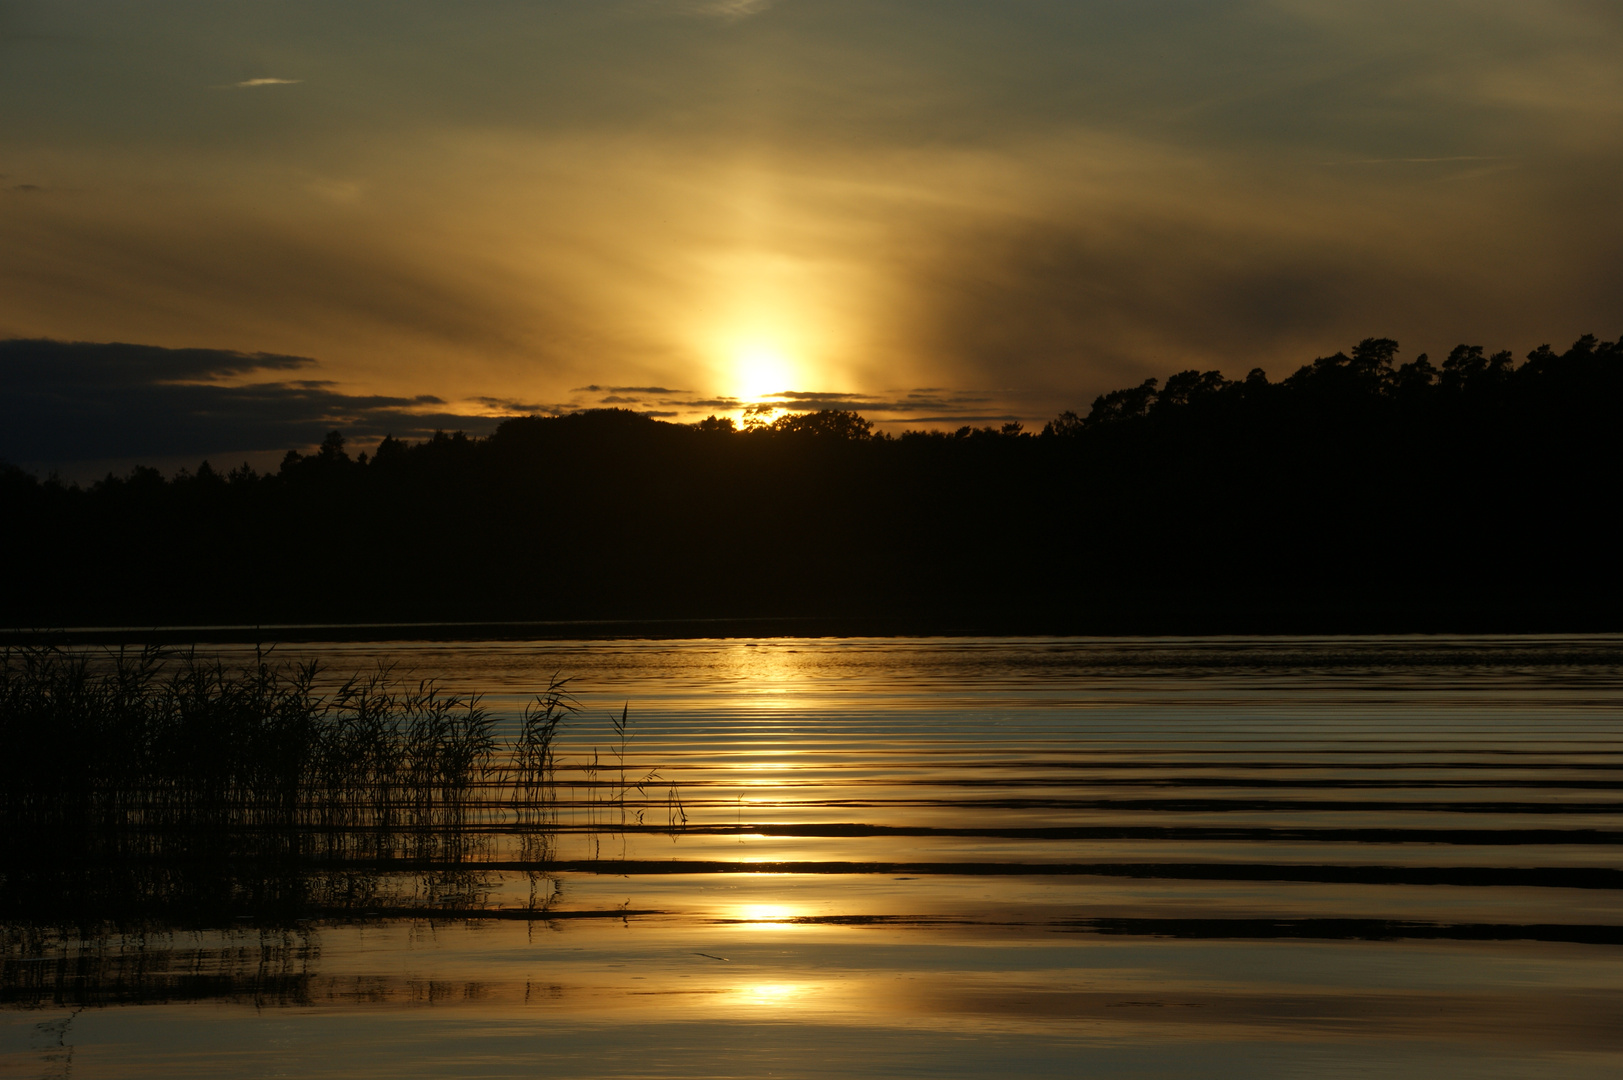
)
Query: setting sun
[{"x": 760, "y": 370}]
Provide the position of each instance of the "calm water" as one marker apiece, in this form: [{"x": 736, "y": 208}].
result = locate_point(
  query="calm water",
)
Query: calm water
[{"x": 1279, "y": 857}]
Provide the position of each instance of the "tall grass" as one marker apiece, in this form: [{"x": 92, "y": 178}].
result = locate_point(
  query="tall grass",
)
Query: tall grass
[
  {"x": 135, "y": 752},
  {"x": 146, "y": 788}
]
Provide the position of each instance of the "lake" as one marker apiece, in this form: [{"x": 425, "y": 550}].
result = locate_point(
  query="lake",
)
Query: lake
[{"x": 1274, "y": 857}]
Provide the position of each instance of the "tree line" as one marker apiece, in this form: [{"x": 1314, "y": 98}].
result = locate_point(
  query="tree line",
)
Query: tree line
[{"x": 1360, "y": 492}]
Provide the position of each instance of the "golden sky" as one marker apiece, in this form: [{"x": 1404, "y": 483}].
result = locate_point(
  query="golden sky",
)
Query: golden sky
[{"x": 948, "y": 211}]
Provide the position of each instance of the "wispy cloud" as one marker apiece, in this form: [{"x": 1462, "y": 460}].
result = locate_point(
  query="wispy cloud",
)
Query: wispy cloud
[
  {"x": 595, "y": 389},
  {"x": 268, "y": 82},
  {"x": 714, "y": 9},
  {"x": 931, "y": 405},
  {"x": 1417, "y": 160},
  {"x": 731, "y": 9},
  {"x": 919, "y": 405},
  {"x": 504, "y": 406}
]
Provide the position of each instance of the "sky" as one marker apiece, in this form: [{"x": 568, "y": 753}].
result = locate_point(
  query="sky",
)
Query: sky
[{"x": 403, "y": 215}]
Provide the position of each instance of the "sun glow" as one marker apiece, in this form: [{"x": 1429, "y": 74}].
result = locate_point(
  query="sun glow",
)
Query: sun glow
[
  {"x": 771, "y": 324},
  {"x": 759, "y": 371},
  {"x": 766, "y": 322}
]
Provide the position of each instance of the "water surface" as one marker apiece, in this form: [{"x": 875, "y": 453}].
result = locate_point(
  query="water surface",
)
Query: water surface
[{"x": 1273, "y": 857}]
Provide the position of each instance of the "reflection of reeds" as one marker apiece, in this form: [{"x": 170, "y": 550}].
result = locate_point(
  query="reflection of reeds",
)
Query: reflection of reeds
[
  {"x": 258, "y": 966},
  {"x": 133, "y": 762}
]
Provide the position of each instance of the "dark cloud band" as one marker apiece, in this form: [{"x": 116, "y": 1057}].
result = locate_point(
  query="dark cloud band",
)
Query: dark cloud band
[{"x": 80, "y": 401}]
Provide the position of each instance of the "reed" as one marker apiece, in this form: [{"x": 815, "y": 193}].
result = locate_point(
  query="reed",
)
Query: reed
[{"x": 143, "y": 752}]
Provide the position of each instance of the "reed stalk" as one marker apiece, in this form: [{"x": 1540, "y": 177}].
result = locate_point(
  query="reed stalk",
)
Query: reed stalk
[{"x": 152, "y": 753}]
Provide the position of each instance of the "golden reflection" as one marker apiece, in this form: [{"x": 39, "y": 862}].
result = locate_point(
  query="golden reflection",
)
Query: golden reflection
[
  {"x": 767, "y": 917},
  {"x": 768, "y": 769},
  {"x": 772, "y": 674},
  {"x": 770, "y": 994},
  {"x": 772, "y": 701}
]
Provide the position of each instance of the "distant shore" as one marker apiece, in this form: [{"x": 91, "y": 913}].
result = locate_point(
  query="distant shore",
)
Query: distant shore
[{"x": 1357, "y": 495}]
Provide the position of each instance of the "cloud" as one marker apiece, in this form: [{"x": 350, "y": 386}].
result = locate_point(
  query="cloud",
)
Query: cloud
[
  {"x": 1419, "y": 160},
  {"x": 514, "y": 407},
  {"x": 723, "y": 403},
  {"x": 711, "y": 9},
  {"x": 268, "y": 82},
  {"x": 625, "y": 390},
  {"x": 62, "y": 402},
  {"x": 731, "y": 9},
  {"x": 932, "y": 405}
]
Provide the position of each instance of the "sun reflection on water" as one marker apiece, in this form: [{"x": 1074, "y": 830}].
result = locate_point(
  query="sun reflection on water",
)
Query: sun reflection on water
[
  {"x": 772, "y": 994},
  {"x": 765, "y": 913}
]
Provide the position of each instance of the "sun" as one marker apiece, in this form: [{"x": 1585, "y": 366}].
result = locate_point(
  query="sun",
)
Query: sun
[{"x": 760, "y": 370}]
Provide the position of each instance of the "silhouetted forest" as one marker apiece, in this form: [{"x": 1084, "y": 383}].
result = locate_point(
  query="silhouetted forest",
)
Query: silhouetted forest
[{"x": 1358, "y": 493}]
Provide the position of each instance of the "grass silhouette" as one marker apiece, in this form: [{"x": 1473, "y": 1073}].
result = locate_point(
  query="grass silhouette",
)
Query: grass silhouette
[{"x": 146, "y": 780}]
